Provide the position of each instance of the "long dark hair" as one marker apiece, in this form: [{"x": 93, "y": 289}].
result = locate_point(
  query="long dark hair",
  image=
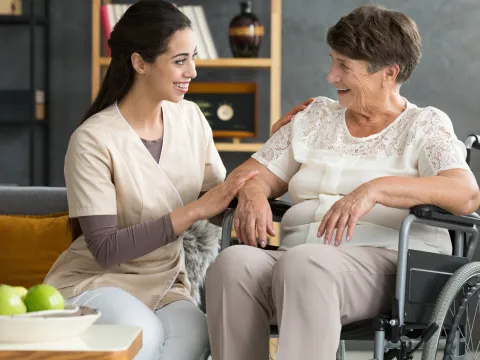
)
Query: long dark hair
[{"x": 145, "y": 28}]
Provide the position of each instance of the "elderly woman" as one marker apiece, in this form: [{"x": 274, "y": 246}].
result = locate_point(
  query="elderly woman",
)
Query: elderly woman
[{"x": 353, "y": 168}]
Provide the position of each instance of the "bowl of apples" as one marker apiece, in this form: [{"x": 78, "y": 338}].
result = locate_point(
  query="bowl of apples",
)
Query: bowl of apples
[{"x": 40, "y": 314}]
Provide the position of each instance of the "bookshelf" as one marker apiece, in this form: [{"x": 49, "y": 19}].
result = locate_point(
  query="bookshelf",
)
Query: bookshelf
[
  {"x": 272, "y": 64},
  {"x": 25, "y": 110},
  {"x": 220, "y": 63}
]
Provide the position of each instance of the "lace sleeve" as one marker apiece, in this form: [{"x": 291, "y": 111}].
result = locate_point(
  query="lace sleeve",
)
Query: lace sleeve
[
  {"x": 277, "y": 154},
  {"x": 441, "y": 150}
]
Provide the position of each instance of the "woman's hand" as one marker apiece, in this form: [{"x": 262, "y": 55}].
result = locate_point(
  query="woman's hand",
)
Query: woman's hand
[
  {"x": 285, "y": 119},
  {"x": 346, "y": 212},
  {"x": 217, "y": 199},
  {"x": 253, "y": 215}
]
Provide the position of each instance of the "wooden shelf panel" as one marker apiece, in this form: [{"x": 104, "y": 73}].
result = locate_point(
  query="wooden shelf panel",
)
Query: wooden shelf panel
[
  {"x": 24, "y": 123},
  {"x": 232, "y": 147},
  {"x": 20, "y": 20},
  {"x": 104, "y": 61},
  {"x": 235, "y": 63},
  {"x": 221, "y": 63}
]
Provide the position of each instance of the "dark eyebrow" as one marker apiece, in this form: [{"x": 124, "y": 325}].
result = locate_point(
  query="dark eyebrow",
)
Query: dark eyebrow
[
  {"x": 184, "y": 54},
  {"x": 340, "y": 59}
]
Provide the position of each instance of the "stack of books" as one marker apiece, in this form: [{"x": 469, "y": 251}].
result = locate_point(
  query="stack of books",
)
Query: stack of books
[{"x": 110, "y": 14}]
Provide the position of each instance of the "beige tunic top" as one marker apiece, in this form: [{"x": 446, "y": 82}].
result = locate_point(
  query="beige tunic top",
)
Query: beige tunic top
[{"x": 108, "y": 171}]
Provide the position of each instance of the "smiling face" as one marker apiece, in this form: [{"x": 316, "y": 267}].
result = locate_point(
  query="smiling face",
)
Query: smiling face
[
  {"x": 169, "y": 76},
  {"x": 356, "y": 87}
]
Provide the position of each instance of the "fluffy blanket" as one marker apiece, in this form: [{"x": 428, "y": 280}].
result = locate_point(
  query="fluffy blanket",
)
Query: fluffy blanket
[{"x": 201, "y": 243}]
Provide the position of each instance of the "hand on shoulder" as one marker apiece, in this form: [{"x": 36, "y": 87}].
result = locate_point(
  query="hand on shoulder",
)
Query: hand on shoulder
[{"x": 285, "y": 119}]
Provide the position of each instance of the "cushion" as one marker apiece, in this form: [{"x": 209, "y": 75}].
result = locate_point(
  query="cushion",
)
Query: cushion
[{"x": 29, "y": 245}]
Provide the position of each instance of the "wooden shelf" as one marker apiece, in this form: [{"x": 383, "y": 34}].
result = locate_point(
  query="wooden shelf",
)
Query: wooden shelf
[
  {"x": 238, "y": 147},
  {"x": 20, "y": 20},
  {"x": 221, "y": 63},
  {"x": 273, "y": 64},
  {"x": 22, "y": 123}
]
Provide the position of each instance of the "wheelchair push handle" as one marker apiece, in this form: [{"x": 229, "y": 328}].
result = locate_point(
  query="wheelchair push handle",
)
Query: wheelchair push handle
[{"x": 473, "y": 142}]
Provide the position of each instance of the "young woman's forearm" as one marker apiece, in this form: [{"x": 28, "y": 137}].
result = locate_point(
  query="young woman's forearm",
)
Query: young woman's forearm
[
  {"x": 183, "y": 218},
  {"x": 111, "y": 246},
  {"x": 265, "y": 183}
]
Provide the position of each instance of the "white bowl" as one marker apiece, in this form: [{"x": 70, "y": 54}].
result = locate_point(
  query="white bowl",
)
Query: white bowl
[{"x": 47, "y": 326}]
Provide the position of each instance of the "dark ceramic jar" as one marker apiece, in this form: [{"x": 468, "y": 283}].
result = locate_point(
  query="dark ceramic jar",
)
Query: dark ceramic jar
[{"x": 245, "y": 32}]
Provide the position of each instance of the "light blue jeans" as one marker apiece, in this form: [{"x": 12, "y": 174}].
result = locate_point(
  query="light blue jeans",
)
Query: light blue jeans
[{"x": 177, "y": 331}]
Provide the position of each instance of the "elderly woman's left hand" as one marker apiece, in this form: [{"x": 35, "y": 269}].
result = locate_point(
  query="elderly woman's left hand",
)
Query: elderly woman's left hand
[{"x": 346, "y": 212}]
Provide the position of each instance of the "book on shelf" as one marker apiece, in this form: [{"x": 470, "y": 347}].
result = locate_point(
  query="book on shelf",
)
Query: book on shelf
[
  {"x": 110, "y": 14},
  {"x": 16, "y": 105},
  {"x": 10, "y": 7}
]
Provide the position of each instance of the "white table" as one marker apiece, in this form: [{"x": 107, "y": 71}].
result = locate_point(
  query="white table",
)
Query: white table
[{"x": 98, "y": 342}]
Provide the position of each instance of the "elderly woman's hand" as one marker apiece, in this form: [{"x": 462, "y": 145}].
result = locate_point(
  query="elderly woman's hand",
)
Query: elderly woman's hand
[
  {"x": 253, "y": 215},
  {"x": 285, "y": 119},
  {"x": 346, "y": 212}
]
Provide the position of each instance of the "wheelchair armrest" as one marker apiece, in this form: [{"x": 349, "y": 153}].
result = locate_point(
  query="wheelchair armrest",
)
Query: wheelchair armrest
[
  {"x": 279, "y": 208},
  {"x": 432, "y": 212}
]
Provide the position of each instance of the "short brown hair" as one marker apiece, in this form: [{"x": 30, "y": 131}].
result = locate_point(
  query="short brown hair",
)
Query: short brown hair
[{"x": 380, "y": 36}]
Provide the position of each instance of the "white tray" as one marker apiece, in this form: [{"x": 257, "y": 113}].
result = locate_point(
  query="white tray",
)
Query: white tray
[{"x": 47, "y": 326}]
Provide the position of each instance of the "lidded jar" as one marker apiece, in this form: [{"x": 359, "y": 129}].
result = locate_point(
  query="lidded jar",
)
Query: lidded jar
[{"x": 245, "y": 32}]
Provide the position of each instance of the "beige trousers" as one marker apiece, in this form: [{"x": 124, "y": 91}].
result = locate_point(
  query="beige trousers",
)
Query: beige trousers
[{"x": 310, "y": 291}]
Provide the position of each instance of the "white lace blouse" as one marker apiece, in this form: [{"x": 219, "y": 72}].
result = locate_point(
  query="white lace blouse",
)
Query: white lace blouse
[{"x": 321, "y": 161}]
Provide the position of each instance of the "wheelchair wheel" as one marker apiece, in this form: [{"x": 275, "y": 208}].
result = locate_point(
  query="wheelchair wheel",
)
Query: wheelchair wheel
[{"x": 457, "y": 312}]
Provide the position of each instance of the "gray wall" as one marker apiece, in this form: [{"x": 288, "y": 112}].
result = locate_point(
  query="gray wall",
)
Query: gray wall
[{"x": 446, "y": 78}]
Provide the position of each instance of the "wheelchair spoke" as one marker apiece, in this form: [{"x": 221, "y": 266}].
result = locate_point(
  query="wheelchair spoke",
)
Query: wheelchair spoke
[
  {"x": 476, "y": 309},
  {"x": 469, "y": 329},
  {"x": 456, "y": 313},
  {"x": 458, "y": 333},
  {"x": 471, "y": 326}
]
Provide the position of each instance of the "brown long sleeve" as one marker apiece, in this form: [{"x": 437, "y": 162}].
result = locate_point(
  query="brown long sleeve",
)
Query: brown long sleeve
[{"x": 111, "y": 246}]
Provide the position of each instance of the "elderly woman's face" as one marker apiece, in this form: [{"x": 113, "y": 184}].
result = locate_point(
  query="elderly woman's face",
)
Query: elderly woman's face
[{"x": 356, "y": 87}]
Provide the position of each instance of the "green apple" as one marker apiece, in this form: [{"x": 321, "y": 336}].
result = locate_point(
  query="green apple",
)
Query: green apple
[
  {"x": 44, "y": 297},
  {"x": 21, "y": 291},
  {"x": 10, "y": 302}
]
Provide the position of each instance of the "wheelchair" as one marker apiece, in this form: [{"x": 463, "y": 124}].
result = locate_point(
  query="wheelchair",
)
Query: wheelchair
[{"x": 434, "y": 296}]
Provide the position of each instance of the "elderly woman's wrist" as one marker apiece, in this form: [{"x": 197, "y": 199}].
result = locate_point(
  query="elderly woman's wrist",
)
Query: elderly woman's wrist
[{"x": 250, "y": 191}]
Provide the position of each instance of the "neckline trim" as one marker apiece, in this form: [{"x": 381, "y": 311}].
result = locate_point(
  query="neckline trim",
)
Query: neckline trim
[{"x": 389, "y": 126}]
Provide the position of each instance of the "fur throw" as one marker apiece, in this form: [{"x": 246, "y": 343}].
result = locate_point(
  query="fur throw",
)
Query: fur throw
[{"x": 201, "y": 243}]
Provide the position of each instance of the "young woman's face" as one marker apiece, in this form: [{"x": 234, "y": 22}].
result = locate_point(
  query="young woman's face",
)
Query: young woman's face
[{"x": 171, "y": 73}]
